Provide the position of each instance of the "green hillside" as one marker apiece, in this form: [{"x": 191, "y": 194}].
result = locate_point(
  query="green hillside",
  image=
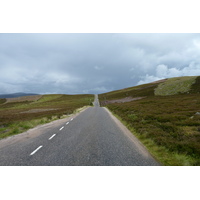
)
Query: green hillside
[
  {"x": 175, "y": 86},
  {"x": 166, "y": 119}
]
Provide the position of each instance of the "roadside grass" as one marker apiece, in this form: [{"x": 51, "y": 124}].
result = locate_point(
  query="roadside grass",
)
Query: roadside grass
[
  {"x": 17, "y": 117},
  {"x": 169, "y": 126},
  {"x": 170, "y": 144}
]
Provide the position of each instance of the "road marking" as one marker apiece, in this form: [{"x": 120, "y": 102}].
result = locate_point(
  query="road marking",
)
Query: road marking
[
  {"x": 52, "y": 136},
  {"x": 67, "y": 123},
  {"x": 61, "y": 128},
  {"x": 72, "y": 119},
  {"x": 35, "y": 150}
]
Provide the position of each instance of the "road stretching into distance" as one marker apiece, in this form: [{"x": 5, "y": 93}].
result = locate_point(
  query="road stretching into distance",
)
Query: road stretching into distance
[{"x": 93, "y": 137}]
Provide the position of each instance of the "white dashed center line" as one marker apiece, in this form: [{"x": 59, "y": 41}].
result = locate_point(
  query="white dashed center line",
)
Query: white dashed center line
[
  {"x": 35, "y": 150},
  {"x": 49, "y": 139},
  {"x": 61, "y": 128},
  {"x": 52, "y": 136}
]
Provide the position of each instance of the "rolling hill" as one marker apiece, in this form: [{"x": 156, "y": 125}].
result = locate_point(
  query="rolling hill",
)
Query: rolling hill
[
  {"x": 164, "y": 115},
  {"x": 22, "y": 113}
]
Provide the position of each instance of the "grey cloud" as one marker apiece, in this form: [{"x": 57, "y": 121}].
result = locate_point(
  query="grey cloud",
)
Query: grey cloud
[{"x": 92, "y": 63}]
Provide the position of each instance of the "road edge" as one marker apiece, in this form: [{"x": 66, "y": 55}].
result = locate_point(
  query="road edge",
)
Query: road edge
[
  {"x": 35, "y": 131},
  {"x": 131, "y": 136}
]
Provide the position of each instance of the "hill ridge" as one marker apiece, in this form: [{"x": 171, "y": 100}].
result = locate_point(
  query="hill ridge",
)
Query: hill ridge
[{"x": 14, "y": 95}]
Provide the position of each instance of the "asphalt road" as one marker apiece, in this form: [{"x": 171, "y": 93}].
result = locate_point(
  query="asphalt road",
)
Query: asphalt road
[{"x": 92, "y": 138}]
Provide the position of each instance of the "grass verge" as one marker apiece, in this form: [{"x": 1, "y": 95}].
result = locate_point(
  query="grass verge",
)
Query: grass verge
[
  {"x": 163, "y": 155},
  {"x": 22, "y": 126}
]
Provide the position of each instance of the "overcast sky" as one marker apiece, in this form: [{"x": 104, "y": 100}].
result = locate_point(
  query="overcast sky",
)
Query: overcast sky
[{"x": 93, "y": 63}]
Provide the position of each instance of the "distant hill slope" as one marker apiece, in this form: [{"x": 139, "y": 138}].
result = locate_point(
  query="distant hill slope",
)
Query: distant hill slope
[
  {"x": 14, "y": 95},
  {"x": 175, "y": 86},
  {"x": 32, "y": 98},
  {"x": 164, "y": 115},
  {"x": 170, "y": 86}
]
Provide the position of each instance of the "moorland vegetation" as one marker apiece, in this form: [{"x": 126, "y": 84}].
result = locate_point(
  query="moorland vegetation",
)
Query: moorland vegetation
[
  {"x": 22, "y": 113},
  {"x": 166, "y": 120},
  {"x": 164, "y": 115}
]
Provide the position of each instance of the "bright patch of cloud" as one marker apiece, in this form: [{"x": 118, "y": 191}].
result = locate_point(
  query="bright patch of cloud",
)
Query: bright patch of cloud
[{"x": 163, "y": 71}]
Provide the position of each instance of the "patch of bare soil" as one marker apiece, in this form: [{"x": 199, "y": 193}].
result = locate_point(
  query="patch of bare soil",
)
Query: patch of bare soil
[
  {"x": 127, "y": 99},
  {"x": 24, "y": 98},
  {"x": 38, "y": 110}
]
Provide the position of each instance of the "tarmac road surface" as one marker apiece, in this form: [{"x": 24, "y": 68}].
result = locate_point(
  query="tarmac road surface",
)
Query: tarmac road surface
[{"x": 92, "y": 138}]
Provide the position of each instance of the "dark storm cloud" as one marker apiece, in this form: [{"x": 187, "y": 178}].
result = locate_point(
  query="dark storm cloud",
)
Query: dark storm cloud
[{"x": 93, "y": 63}]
